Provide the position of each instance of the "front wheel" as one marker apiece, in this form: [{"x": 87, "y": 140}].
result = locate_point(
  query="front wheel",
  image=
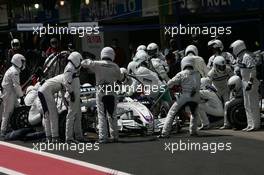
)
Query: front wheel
[
  {"x": 19, "y": 118},
  {"x": 164, "y": 109}
]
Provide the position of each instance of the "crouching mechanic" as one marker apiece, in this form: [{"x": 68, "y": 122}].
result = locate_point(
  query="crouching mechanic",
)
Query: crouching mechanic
[
  {"x": 210, "y": 103},
  {"x": 32, "y": 100},
  {"x": 157, "y": 62},
  {"x": 72, "y": 85},
  {"x": 46, "y": 96},
  {"x": 219, "y": 75},
  {"x": 107, "y": 73},
  {"x": 189, "y": 80},
  {"x": 236, "y": 93},
  {"x": 12, "y": 90},
  {"x": 250, "y": 84},
  {"x": 146, "y": 77}
]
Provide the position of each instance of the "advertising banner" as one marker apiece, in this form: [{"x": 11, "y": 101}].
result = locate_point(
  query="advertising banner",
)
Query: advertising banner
[{"x": 150, "y": 8}]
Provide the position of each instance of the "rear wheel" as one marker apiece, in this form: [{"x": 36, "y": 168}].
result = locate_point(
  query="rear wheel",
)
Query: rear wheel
[
  {"x": 236, "y": 114},
  {"x": 89, "y": 121}
]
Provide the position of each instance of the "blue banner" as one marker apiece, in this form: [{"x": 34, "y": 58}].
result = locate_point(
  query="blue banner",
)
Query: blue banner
[
  {"x": 111, "y": 9},
  {"x": 215, "y": 6}
]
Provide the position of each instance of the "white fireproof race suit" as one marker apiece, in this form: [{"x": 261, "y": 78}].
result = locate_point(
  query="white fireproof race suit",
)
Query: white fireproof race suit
[
  {"x": 46, "y": 95},
  {"x": 74, "y": 116},
  {"x": 219, "y": 81},
  {"x": 11, "y": 92},
  {"x": 189, "y": 80},
  {"x": 247, "y": 66},
  {"x": 107, "y": 73}
]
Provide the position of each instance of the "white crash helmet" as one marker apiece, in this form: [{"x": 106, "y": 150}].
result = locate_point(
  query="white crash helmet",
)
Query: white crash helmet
[
  {"x": 237, "y": 47},
  {"x": 219, "y": 63},
  {"x": 205, "y": 82},
  {"x": 141, "y": 47},
  {"x": 54, "y": 42},
  {"x": 75, "y": 58},
  {"x": 15, "y": 44},
  {"x": 153, "y": 49},
  {"x": 141, "y": 56},
  {"x": 132, "y": 67},
  {"x": 19, "y": 61},
  {"x": 191, "y": 49},
  {"x": 108, "y": 52},
  {"x": 216, "y": 43},
  {"x": 234, "y": 82},
  {"x": 187, "y": 61}
]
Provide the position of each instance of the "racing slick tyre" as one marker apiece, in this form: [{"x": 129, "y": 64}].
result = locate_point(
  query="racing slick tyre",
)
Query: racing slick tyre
[
  {"x": 143, "y": 133},
  {"x": 236, "y": 114},
  {"x": 89, "y": 121},
  {"x": 19, "y": 118},
  {"x": 164, "y": 109}
]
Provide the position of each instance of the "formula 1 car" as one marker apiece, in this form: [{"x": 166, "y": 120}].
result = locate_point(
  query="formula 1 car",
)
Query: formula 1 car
[{"x": 132, "y": 115}]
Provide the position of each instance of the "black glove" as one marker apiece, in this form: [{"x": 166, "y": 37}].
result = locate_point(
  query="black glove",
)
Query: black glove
[
  {"x": 72, "y": 96},
  {"x": 22, "y": 102},
  {"x": 249, "y": 86}
]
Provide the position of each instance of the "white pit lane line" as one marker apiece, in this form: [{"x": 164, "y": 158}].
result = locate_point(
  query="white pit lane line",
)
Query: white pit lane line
[
  {"x": 9, "y": 172},
  {"x": 58, "y": 157}
]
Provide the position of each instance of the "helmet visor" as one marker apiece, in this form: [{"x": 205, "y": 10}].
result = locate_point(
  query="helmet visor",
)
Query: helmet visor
[
  {"x": 152, "y": 52},
  {"x": 221, "y": 67},
  {"x": 231, "y": 87},
  {"x": 16, "y": 45}
]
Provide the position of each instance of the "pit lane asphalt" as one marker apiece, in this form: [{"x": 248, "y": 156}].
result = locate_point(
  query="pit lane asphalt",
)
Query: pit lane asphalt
[{"x": 138, "y": 155}]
